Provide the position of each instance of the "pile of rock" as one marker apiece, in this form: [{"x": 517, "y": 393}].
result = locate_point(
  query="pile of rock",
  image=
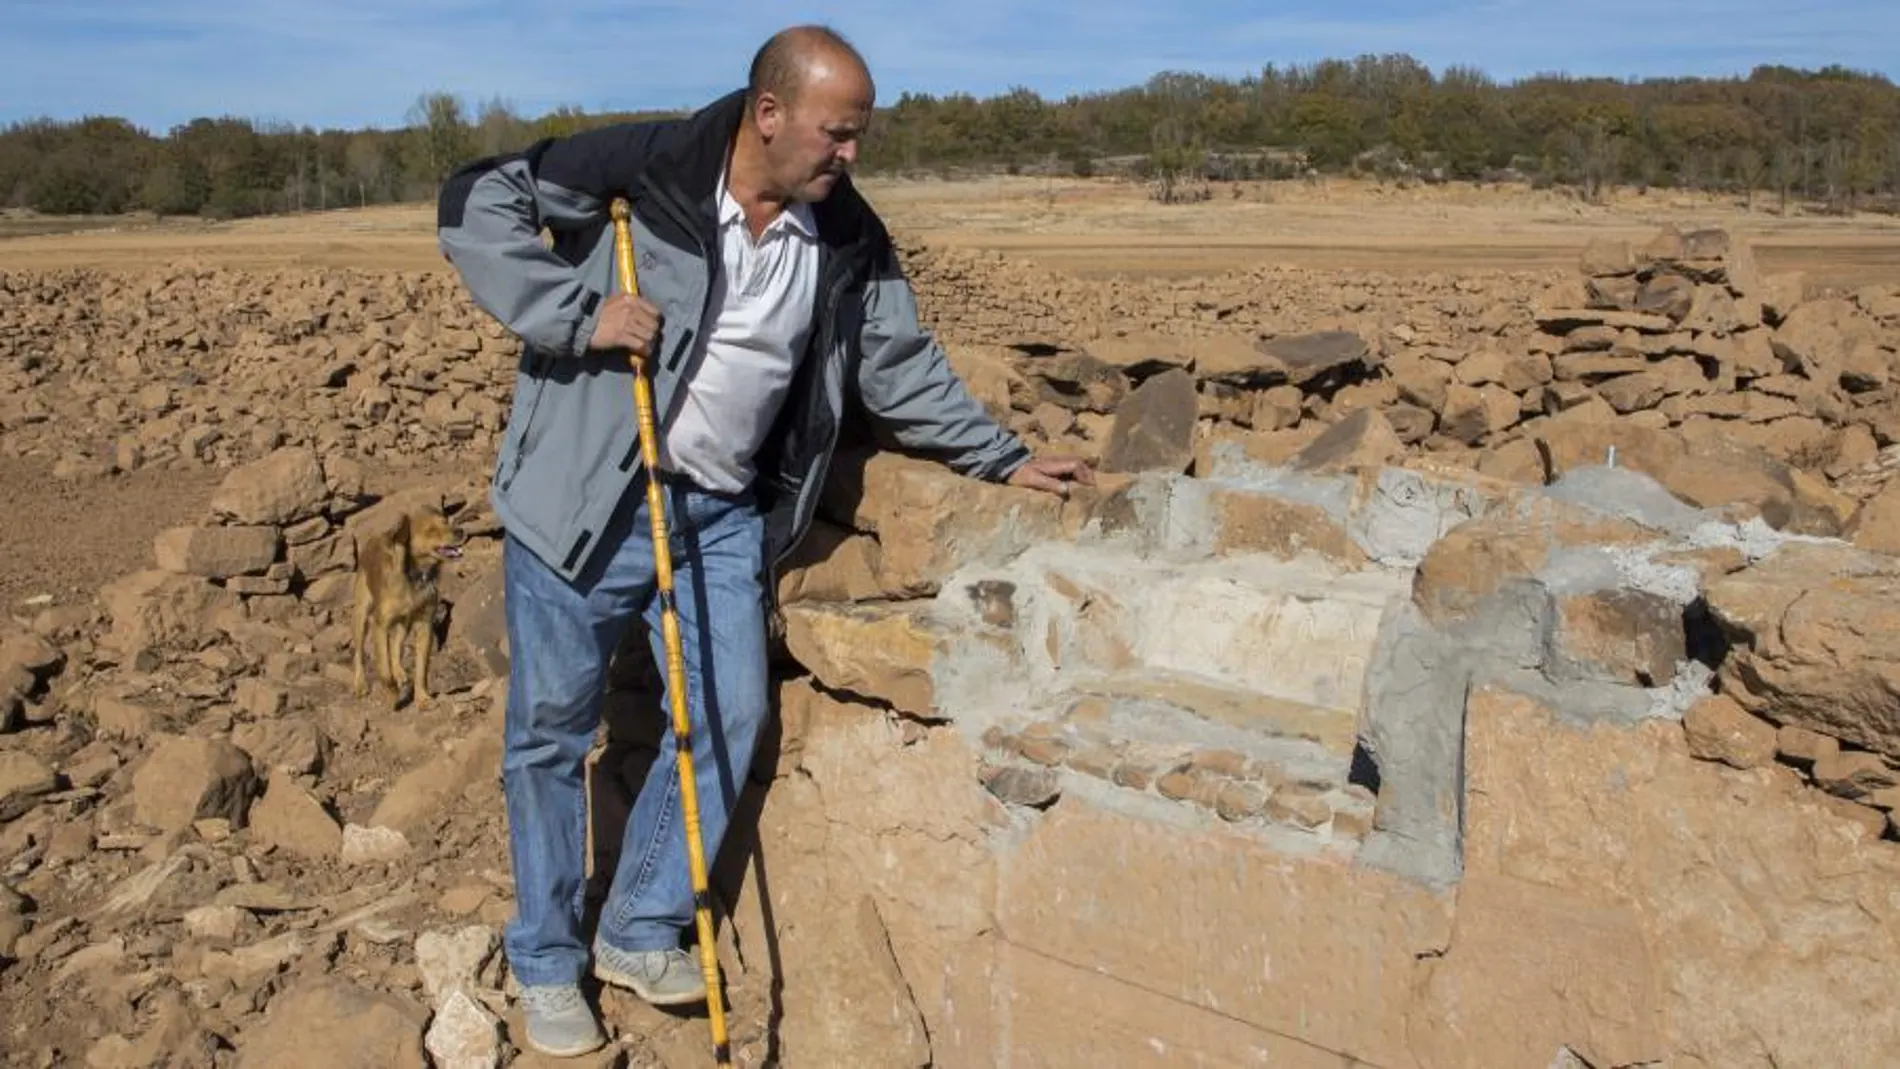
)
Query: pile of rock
[
  {"x": 192, "y": 365},
  {"x": 1676, "y": 359},
  {"x": 1106, "y": 398},
  {"x": 1805, "y": 680},
  {"x": 198, "y": 801},
  {"x": 276, "y": 548},
  {"x": 1685, "y": 332},
  {"x": 987, "y": 298},
  {"x": 1681, "y": 335}
]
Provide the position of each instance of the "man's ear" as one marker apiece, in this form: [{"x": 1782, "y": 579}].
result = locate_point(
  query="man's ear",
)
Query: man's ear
[{"x": 768, "y": 114}]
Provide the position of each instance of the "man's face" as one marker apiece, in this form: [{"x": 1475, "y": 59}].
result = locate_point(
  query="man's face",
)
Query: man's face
[{"x": 812, "y": 140}]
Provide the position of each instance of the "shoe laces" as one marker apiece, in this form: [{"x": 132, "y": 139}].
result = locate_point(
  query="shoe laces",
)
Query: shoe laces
[
  {"x": 554, "y": 998},
  {"x": 678, "y": 959}
]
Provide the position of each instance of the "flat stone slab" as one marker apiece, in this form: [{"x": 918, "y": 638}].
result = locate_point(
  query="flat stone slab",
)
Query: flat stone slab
[{"x": 1332, "y": 728}]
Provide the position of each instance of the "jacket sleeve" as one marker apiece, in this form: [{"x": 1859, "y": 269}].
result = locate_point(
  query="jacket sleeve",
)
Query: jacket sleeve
[
  {"x": 489, "y": 218},
  {"x": 906, "y": 382}
]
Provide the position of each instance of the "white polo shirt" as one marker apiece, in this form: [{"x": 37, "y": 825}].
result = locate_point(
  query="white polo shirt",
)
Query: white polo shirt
[{"x": 757, "y": 321}]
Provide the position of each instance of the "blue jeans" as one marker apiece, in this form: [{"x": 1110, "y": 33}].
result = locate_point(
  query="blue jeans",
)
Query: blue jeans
[{"x": 561, "y": 636}]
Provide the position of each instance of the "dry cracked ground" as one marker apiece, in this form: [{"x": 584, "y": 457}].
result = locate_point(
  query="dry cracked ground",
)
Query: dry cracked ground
[{"x": 212, "y": 855}]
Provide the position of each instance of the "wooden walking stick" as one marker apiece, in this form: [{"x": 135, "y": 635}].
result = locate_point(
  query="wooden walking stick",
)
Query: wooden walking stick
[{"x": 675, "y": 657}]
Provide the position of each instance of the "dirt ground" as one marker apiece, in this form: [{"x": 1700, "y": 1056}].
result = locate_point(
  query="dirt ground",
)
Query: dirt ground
[{"x": 65, "y": 538}]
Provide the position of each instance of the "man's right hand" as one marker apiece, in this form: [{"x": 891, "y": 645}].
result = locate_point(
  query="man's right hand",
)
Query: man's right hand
[{"x": 626, "y": 323}]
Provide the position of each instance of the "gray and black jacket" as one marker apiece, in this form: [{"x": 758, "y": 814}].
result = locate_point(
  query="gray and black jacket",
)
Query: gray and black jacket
[{"x": 570, "y": 450}]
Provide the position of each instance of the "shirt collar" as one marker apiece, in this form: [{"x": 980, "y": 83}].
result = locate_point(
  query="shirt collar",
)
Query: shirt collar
[{"x": 797, "y": 216}]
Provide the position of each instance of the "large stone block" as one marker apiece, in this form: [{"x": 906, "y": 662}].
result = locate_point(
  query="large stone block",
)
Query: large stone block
[
  {"x": 1768, "y": 921},
  {"x": 930, "y": 521},
  {"x": 216, "y": 552},
  {"x": 1533, "y": 970},
  {"x": 185, "y": 779},
  {"x": 883, "y": 651},
  {"x": 1812, "y": 627},
  {"x": 1475, "y": 561},
  {"x": 1062, "y": 1015},
  {"x": 806, "y": 927},
  {"x": 280, "y": 488},
  {"x": 1320, "y": 951},
  {"x": 1154, "y": 427},
  {"x": 908, "y": 823}
]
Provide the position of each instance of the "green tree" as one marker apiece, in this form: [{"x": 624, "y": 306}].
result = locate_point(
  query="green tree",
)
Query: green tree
[{"x": 442, "y": 138}]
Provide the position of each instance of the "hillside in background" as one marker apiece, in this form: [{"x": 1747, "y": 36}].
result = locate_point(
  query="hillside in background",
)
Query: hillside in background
[{"x": 1827, "y": 138}]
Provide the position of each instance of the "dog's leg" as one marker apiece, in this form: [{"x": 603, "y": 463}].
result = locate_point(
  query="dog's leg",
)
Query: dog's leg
[
  {"x": 424, "y": 629},
  {"x": 386, "y": 650},
  {"x": 398, "y": 643},
  {"x": 359, "y": 640}
]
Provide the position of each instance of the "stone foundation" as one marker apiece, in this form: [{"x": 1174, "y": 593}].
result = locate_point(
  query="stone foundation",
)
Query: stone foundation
[{"x": 1408, "y": 788}]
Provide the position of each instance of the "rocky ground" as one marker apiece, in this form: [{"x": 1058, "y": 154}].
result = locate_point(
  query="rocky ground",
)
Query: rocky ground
[{"x": 210, "y": 854}]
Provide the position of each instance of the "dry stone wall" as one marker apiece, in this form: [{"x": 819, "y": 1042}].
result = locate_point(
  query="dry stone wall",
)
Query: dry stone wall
[{"x": 1725, "y": 384}]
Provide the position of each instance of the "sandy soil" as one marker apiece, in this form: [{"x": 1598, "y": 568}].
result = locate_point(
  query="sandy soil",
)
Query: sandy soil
[
  {"x": 63, "y": 539},
  {"x": 1093, "y": 228}
]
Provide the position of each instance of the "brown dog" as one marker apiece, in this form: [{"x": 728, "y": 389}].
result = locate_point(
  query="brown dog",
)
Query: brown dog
[{"x": 396, "y": 598}]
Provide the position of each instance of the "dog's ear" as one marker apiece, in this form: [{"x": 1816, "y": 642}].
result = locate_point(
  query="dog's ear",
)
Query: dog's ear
[{"x": 399, "y": 535}]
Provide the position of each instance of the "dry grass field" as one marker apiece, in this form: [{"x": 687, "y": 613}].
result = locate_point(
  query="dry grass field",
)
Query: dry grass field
[{"x": 1090, "y": 228}]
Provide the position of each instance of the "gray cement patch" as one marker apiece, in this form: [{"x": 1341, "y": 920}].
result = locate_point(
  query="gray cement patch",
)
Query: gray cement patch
[
  {"x": 1407, "y": 511},
  {"x": 1629, "y": 494}
]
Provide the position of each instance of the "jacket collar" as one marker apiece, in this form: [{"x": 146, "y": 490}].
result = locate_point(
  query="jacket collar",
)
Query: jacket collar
[
  {"x": 689, "y": 167},
  {"x": 692, "y": 163}
]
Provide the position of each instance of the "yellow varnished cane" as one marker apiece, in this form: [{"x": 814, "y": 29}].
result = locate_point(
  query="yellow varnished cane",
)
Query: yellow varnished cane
[{"x": 675, "y": 658}]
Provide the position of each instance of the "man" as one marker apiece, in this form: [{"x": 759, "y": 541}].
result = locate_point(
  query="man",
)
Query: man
[{"x": 768, "y": 289}]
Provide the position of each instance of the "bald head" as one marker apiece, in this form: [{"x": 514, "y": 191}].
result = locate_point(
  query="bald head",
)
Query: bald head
[
  {"x": 808, "y": 102},
  {"x": 793, "y": 58}
]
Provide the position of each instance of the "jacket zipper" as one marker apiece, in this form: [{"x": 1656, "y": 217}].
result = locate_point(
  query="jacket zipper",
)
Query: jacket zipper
[
  {"x": 775, "y": 612},
  {"x": 670, "y": 206}
]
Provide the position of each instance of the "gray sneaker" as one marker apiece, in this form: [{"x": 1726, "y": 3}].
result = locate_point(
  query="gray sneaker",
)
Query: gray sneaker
[
  {"x": 662, "y": 977},
  {"x": 560, "y": 1023}
]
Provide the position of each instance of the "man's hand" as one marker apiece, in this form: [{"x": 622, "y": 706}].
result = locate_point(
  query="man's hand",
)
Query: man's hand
[
  {"x": 628, "y": 323},
  {"x": 1053, "y": 474}
]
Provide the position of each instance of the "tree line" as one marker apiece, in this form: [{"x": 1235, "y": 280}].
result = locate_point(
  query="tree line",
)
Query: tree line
[{"x": 1829, "y": 137}]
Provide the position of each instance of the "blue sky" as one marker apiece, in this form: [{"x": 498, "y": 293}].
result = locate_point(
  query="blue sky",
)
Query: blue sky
[{"x": 363, "y": 62}]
